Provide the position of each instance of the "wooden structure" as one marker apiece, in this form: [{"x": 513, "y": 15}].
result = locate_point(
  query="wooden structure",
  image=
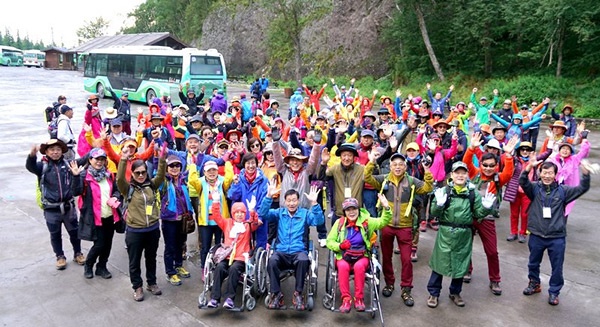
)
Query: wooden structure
[{"x": 59, "y": 58}]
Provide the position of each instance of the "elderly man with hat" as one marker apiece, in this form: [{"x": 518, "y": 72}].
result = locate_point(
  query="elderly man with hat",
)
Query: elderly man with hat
[
  {"x": 123, "y": 107},
  {"x": 64, "y": 131},
  {"x": 400, "y": 190},
  {"x": 191, "y": 100},
  {"x": 56, "y": 196},
  {"x": 384, "y": 116},
  {"x": 567, "y": 117},
  {"x": 482, "y": 107},
  {"x": 557, "y": 136},
  {"x": 158, "y": 131},
  {"x": 506, "y": 111}
]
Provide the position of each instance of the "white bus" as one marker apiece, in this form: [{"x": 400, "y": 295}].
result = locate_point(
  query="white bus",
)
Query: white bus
[
  {"x": 146, "y": 72},
  {"x": 34, "y": 58}
]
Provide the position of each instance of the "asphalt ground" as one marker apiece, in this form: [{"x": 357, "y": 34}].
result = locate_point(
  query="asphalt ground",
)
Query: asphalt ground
[{"x": 34, "y": 293}]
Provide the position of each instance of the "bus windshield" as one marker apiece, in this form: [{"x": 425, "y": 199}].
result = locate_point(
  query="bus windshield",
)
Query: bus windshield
[{"x": 201, "y": 65}]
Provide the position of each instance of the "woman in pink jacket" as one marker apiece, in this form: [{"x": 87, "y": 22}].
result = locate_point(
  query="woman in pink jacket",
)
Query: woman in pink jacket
[{"x": 568, "y": 166}]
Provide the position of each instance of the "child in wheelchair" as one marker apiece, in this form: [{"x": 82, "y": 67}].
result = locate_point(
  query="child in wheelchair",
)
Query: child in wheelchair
[
  {"x": 350, "y": 239},
  {"x": 230, "y": 258}
]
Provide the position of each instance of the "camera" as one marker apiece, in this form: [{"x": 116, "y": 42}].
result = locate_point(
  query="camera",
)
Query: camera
[{"x": 427, "y": 161}]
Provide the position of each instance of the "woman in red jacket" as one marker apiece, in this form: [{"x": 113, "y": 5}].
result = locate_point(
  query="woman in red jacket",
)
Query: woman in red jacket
[{"x": 315, "y": 96}]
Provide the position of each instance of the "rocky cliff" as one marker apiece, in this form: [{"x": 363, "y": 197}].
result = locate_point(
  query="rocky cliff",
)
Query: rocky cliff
[{"x": 345, "y": 41}]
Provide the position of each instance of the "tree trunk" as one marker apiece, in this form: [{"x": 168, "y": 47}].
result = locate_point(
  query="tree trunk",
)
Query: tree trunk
[
  {"x": 298, "y": 68},
  {"x": 559, "y": 50},
  {"x": 423, "y": 28}
]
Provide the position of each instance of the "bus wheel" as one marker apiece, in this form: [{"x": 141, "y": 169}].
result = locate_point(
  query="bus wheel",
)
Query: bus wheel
[
  {"x": 150, "y": 95},
  {"x": 100, "y": 90}
]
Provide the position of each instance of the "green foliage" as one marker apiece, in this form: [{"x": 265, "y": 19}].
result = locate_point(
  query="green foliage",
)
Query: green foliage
[
  {"x": 20, "y": 43},
  {"x": 92, "y": 29}
]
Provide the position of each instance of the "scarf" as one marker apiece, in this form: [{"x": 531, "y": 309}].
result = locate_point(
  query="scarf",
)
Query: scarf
[
  {"x": 98, "y": 174},
  {"x": 237, "y": 228},
  {"x": 250, "y": 177}
]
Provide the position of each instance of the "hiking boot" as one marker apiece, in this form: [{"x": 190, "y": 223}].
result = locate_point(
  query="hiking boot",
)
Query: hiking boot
[
  {"x": 61, "y": 262},
  {"x": 457, "y": 300},
  {"x": 154, "y": 289},
  {"x": 407, "y": 297},
  {"x": 359, "y": 305},
  {"x": 346, "y": 305},
  {"x": 397, "y": 250},
  {"x": 298, "y": 301},
  {"x": 213, "y": 303},
  {"x": 103, "y": 272},
  {"x": 79, "y": 258},
  {"x": 532, "y": 288},
  {"x": 423, "y": 227},
  {"x": 181, "y": 272},
  {"x": 228, "y": 304},
  {"x": 138, "y": 294},
  {"x": 432, "y": 301},
  {"x": 174, "y": 280},
  {"x": 511, "y": 237},
  {"x": 495, "y": 287},
  {"x": 553, "y": 299},
  {"x": 388, "y": 290},
  {"x": 433, "y": 224},
  {"x": 88, "y": 272},
  {"x": 413, "y": 255},
  {"x": 467, "y": 278},
  {"x": 322, "y": 242},
  {"x": 276, "y": 301},
  {"x": 522, "y": 238}
]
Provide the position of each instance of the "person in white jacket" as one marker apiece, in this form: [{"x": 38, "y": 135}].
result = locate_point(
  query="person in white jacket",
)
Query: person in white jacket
[{"x": 64, "y": 131}]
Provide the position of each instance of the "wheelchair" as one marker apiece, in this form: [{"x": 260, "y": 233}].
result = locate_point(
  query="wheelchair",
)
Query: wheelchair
[
  {"x": 372, "y": 278},
  {"x": 310, "y": 284},
  {"x": 249, "y": 279}
]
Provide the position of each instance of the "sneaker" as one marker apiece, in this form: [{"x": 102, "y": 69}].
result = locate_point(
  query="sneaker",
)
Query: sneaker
[
  {"x": 397, "y": 250},
  {"x": 322, "y": 242},
  {"x": 61, "y": 262},
  {"x": 276, "y": 301},
  {"x": 423, "y": 227},
  {"x": 511, "y": 237},
  {"x": 522, "y": 238},
  {"x": 532, "y": 288},
  {"x": 433, "y": 224},
  {"x": 154, "y": 289},
  {"x": 103, "y": 272},
  {"x": 212, "y": 303},
  {"x": 228, "y": 304},
  {"x": 413, "y": 255},
  {"x": 298, "y": 301},
  {"x": 79, "y": 259},
  {"x": 553, "y": 299},
  {"x": 346, "y": 305},
  {"x": 495, "y": 287},
  {"x": 138, "y": 294},
  {"x": 359, "y": 305},
  {"x": 181, "y": 272},
  {"x": 388, "y": 290},
  {"x": 457, "y": 300},
  {"x": 174, "y": 280},
  {"x": 432, "y": 301},
  {"x": 467, "y": 278},
  {"x": 407, "y": 297},
  {"x": 88, "y": 272}
]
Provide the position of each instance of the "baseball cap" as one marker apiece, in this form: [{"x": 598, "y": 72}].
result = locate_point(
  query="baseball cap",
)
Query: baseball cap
[
  {"x": 458, "y": 165},
  {"x": 97, "y": 153},
  {"x": 210, "y": 165}
]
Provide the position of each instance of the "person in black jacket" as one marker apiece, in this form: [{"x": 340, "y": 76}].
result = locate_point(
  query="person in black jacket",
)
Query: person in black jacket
[
  {"x": 123, "y": 107},
  {"x": 55, "y": 176},
  {"x": 99, "y": 200},
  {"x": 547, "y": 223},
  {"x": 192, "y": 101}
]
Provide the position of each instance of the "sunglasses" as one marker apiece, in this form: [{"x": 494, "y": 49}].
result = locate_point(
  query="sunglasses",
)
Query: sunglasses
[
  {"x": 174, "y": 165},
  {"x": 140, "y": 173},
  {"x": 488, "y": 166},
  {"x": 526, "y": 149},
  {"x": 224, "y": 147},
  {"x": 255, "y": 145}
]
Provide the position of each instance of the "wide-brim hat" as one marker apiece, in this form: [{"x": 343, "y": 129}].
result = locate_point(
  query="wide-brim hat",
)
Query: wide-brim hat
[
  {"x": 567, "y": 106},
  {"x": 525, "y": 144},
  {"x": 156, "y": 116},
  {"x": 499, "y": 127},
  {"x": 559, "y": 123},
  {"x": 346, "y": 147},
  {"x": 233, "y": 131},
  {"x": 369, "y": 114},
  {"x": 295, "y": 153},
  {"x": 485, "y": 128},
  {"x": 110, "y": 113},
  {"x": 440, "y": 122},
  {"x": 52, "y": 142},
  {"x": 383, "y": 111}
]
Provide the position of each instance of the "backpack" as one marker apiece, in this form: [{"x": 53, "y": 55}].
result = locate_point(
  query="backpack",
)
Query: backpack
[
  {"x": 40, "y": 189},
  {"x": 410, "y": 209},
  {"x": 471, "y": 197}
]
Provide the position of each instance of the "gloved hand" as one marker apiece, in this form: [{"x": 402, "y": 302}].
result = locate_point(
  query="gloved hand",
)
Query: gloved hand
[
  {"x": 275, "y": 134},
  {"x": 345, "y": 245},
  {"x": 488, "y": 200},
  {"x": 318, "y": 136},
  {"x": 440, "y": 196}
]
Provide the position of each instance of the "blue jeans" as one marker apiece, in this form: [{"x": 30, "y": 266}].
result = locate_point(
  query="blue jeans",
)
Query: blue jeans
[
  {"x": 173, "y": 237},
  {"x": 556, "y": 253},
  {"x": 370, "y": 201},
  {"x": 434, "y": 286}
]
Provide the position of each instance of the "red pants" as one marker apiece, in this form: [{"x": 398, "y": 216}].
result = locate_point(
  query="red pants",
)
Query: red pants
[
  {"x": 519, "y": 206},
  {"x": 487, "y": 232},
  {"x": 404, "y": 238},
  {"x": 360, "y": 268}
]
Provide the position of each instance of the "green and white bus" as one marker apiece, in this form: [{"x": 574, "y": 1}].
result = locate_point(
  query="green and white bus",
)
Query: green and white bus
[
  {"x": 11, "y": 56},
  {"x": 149, "y": 71},
  {"x": 34, "y": 58}
]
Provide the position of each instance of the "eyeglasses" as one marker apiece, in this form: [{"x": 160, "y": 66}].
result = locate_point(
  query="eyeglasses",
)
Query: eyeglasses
[
  {"x": 140, "y": 173},
  {"x": 175, "y": 165},
  {"x": 255, "y": 145},
  {"x": 224, "y": 147},
  {"x": 526, "y": 149},
  {"x": 488, "y": 165}
]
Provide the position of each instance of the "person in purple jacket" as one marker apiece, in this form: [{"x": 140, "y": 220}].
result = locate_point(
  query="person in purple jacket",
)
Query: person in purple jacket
[{"x": 218, "y": 103}]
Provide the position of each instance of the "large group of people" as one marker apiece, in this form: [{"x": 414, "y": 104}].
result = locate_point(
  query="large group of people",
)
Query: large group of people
[{"x": 389, "y": 168}]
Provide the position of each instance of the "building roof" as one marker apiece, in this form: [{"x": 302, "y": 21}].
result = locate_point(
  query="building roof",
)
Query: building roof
[
  {"x": 57, "y": 49},
  {"x": 129, "y": 39}
]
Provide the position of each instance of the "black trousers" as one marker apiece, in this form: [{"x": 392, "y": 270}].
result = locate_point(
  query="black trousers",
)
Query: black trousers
[
  {"x": 282, "y": 261},
  {"x": 146, "y": 243},
  {"x": 103, "y": 244},
  {"x": 221, "y": 272}
]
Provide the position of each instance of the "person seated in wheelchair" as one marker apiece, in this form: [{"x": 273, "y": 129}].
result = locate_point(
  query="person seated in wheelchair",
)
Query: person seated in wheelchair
[
  {"x": 238, "y": 236},
  {"x": 350, "y": 239},
  {"x": 290, "y": 247}
]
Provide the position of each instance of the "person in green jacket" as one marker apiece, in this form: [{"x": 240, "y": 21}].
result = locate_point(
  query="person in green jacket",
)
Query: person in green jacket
[
  {"x": 482, "y": 107},
  {"x": 350, "y": 239},
  {"x": 456, "y": 205}
]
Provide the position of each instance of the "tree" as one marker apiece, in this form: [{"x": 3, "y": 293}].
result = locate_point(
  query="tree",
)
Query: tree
[
  {"x": 427, "y": 42},
  {"x": 92, "y": 29}
]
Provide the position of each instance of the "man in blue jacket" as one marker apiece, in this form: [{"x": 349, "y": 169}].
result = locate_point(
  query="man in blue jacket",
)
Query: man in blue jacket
[{"x": 290, "y": 247}]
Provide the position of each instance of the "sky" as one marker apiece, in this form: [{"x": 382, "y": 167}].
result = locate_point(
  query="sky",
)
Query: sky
[{"x": 42, "y": 19}]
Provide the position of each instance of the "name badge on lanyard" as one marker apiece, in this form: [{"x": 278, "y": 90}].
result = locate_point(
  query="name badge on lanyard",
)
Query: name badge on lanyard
[
  {"x": 347, "y": 192},
  {"x": 547, "y": 212}
]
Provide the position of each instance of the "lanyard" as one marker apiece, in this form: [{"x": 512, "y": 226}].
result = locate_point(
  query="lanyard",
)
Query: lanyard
[{"x": 547, "y": 200}]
